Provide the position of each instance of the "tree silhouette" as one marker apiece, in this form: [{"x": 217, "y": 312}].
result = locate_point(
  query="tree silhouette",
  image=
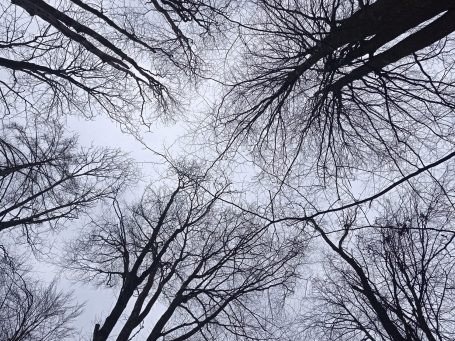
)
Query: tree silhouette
[
  {"x": 46, "y": 179},
  {"x": 394, "y": 280},
  {"x": 29, "y": 310},
  {"x": 125, "y": 59},
  {"x": 339, "y": 90},
  {"x": 205, "y": 264}
]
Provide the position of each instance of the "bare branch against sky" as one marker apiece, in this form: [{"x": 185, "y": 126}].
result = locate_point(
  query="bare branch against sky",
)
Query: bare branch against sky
[{"x": 319, "y": 148}]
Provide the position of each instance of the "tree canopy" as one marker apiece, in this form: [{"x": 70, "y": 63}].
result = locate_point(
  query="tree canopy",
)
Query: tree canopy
[{"x": 315, "y": 183}]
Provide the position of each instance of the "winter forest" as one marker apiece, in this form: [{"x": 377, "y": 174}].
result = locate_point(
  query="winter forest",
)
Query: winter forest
[{"x": 233, "y": 170}]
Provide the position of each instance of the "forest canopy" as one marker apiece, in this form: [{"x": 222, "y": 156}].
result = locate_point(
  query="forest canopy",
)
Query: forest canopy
[{"x": 309, "y": 196}]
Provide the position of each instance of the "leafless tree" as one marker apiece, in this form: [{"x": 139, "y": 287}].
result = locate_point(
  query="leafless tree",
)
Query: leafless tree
[
  {"x": 335, "y": 90},
  {"x": 202, "y": 262},
  {"x": 124, "y": 58},
  {"x": 46, "y": 178},
  {"x": 30, "y": 311},
  {"x": 394, "y": 280}
]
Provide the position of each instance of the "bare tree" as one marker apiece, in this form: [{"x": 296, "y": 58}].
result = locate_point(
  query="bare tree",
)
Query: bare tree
[
  {"x": 335, "y": 90},
  {"x": 30, "y": 311},
  {"x": 202, "y": 262},
  {"x": 123, "y": 58},
  {"x": 46, "y": 178},
  {"x": 394, "y": 280}
]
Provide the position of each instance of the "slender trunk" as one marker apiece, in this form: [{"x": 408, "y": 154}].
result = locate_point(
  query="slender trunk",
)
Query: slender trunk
[{"x": 103, "y": 332}]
